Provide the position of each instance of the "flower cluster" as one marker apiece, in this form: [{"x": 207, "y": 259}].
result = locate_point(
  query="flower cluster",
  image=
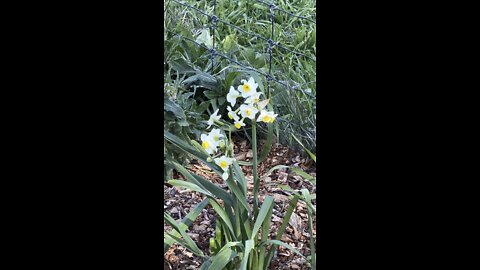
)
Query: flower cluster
[
  {"x": 211, "y": 142},
  {"x": 249, "y": 109}
]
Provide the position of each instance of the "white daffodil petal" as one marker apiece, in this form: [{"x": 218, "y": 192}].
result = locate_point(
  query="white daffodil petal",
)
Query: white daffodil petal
[
  {"x": 253, "y": 98},
  {"x": 248, "y": 111},
  {"x": 239, "y": 124},
  {"x": 248, "y": 88},
  {"x": 214, "y": 117},
  {"x": 231, "y": 114},
  {"x": 224, "y": 162},
  {"x": 232, "y": 96},
  {"x": 266, "y": 116},
  {"x": 208, "y": 144},
  {"x": 215, "y": 134}
]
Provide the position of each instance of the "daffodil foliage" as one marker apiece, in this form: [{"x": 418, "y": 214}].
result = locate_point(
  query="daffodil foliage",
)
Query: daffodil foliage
[{"x": 238, "y": 225}]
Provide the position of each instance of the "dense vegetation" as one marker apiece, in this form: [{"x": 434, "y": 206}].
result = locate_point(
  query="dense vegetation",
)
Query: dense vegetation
[
  {"x": 191, "y": 83},
  {"x": 213, "y": 105}
]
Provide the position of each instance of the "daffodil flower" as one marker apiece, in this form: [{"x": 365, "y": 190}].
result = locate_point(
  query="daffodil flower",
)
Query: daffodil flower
[
  {"x": 232, "y": 114},
  {"x": 238, "y": 124},
  {"x": 224, "y": 162},
  {"x": 232, "y": 96},
  {"x": 248, "y": 111},
  {"x": 215, "y": 135},
  {"x": 208, "y": 144},
  {"x": 213, "y": 118},
  {"x": 266, "y": 116},
  {"x": 248, "y": 88},
  {"x": 253, "y": 98}
]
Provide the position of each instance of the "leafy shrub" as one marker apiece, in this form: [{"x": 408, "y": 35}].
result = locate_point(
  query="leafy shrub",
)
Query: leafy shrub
[
  {"x": 236, "y": 244},
  {"x": 297, "y": 107}
]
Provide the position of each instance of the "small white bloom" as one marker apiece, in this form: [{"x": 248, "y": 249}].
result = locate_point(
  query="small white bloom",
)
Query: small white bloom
[
  {"x": 208, "y": 144},
  {"x": 231, "y": 114},
  {"x": 253, "y": 98},
  {"x": 239, "y": 124},
  {"x": 232, "y": 96},
  {"x": 224, "y": 162},
  {"x": 215, "y": 134},
  {"x": 248, "y": 88},
  {"x": 266, "y": 116},
  {"x": 248, "y": 111},
  {"x": 213, "y": 118},
  {"x": 225, "y": 175}
]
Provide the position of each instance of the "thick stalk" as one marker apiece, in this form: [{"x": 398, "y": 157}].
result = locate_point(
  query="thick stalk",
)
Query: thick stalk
[{"x": 256, "y": 182}]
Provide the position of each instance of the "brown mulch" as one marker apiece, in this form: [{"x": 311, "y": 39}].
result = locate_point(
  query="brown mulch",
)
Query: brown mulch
[{"x": 179, "y": 202}]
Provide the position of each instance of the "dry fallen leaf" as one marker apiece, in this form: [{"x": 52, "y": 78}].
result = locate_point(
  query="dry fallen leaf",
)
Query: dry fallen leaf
[
  {"x": 296, "y": 222},
  {"x": 280, "y": 197},
  {"x": 199, "y": 227},
  {"x": 275, "y": 218},
  {"x": 282, "y": 176}
]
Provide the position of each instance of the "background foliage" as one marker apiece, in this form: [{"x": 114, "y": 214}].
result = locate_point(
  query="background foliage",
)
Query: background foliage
[{"x": 198, "y": 90}]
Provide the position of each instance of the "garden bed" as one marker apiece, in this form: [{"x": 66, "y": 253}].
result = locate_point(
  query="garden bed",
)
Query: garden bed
[{"x": 179, "y": 202}]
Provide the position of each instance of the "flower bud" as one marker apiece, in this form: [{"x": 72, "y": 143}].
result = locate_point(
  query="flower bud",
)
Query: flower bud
[{"x": 221, "y": 143}]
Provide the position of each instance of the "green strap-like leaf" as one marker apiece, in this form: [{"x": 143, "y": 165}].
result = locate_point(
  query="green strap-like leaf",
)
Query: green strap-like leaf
[
  {"x": 191, "y": 186},
  {"x": 267, "y": 203},
  {"x": 281, "y": 230},
  {"x": 187, "y": 241},
  {"x": 296, "y": 170},
  {"x": 308, "y": 199},
  {"x": 240, "y": 177},
  {"x": 203, "y": 183},
  {"x": 265, "y": 230},
  {"x": 280, "y": 243},
  {"x": 241, "y": 198},
  {"x": 223, "y": 215},
  {"x": 312, "y": 156},
  {"x": 186, "y": 222},
  {"x": 248, "y": 247},
  {"x": 186, "y": 147},
  {"x": 224, "y": 256}
]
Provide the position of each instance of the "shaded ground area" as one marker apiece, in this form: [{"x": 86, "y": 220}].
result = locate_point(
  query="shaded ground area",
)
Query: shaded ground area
[{"x": 179, "y": 202}]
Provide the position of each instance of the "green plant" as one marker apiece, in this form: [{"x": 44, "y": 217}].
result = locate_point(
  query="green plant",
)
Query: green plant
[
  {"x": 239, "y": 226},
  {"x": 296, "y": 105}
]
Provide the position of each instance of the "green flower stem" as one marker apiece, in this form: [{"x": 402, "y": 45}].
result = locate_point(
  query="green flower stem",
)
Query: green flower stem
[
  {"x": 256, "y": 182},
  {"x": 220, "y": 123}
]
